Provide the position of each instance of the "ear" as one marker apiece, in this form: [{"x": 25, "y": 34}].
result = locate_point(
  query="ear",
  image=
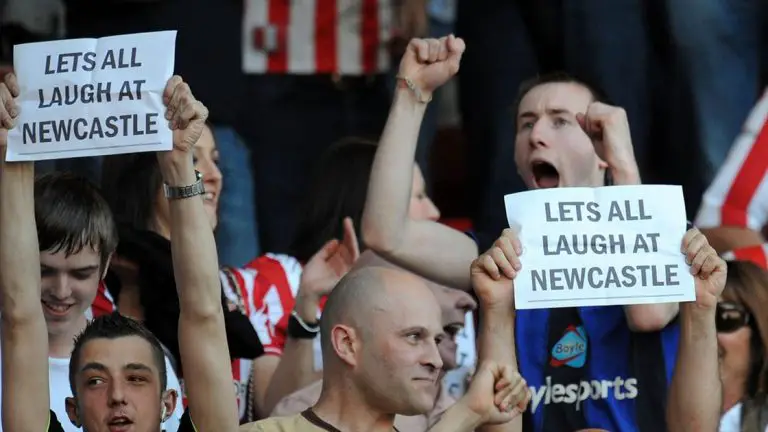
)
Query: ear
[
  {"x": 345, "y": 343},
  {"x": 168, "y": 403},
  {"x": 72, "y": 412},
  {"x": 106, "y": 266}
]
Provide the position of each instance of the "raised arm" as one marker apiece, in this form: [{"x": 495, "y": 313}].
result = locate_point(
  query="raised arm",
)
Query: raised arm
[
  {"x": 695, "y": 397},
  {"x": 428, "y": 248},
  {"x": 24, "y": 334},
  {"x": 493, "y": 274},
  {"x": 202, "y": 338}
]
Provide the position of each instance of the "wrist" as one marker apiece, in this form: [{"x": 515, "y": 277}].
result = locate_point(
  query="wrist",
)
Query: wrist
[
  {"x": 412, "y": 92},
  {"x": 470, "y": 419},
  {"x": 306, "y": 307},
  {"x": 696, "y": 320},
  {"x": 625, "y": 173},
  {"x": 178, "y": 169}
]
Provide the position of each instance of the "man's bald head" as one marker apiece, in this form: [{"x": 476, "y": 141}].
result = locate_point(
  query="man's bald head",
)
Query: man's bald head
[{"x": 363, "y": 293}]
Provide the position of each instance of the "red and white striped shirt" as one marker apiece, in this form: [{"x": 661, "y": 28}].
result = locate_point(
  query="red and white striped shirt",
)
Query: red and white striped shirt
[
  {"x": 265, "y": 289},
  {"x": 758, "y": 254},
  {"x": 103, "y": 304},
  {"x": 346, "y": 37},
  {"x": 739, "y": 194}
]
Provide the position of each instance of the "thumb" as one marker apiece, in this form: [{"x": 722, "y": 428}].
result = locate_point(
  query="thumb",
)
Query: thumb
[{"x": 456, "y": 49}]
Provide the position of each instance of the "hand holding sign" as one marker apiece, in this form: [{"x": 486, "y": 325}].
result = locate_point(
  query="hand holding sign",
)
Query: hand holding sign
[
  {"x": 9, "y": 110},
  {"x": 707, "y": 267},
  {"x": 186, "y": 115},
  {"x": 493, "y": 272}
]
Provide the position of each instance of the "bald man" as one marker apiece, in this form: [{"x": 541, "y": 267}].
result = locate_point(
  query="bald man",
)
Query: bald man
[
  {"x": 454, "y": 305},
  {"x": 379, "y": 332}
]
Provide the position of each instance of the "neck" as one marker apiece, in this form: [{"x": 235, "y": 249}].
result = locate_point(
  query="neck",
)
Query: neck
[
  {"x": 60, "y": 345},
  {"x": 344, "y": 407},
  {"x": 732, "y": 394}
]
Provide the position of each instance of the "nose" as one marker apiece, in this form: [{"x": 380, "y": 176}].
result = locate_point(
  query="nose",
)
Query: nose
[
  {"x": 59, "y": 287},
  {"x": 465, "y": 302},
  {"x": 211, "y": 172},
  {"x": 116, "y": 393},
  {"x": 536, "y": 139},
  {"x": 431, "y": 210},
  {"x": 432, "y": 359}
]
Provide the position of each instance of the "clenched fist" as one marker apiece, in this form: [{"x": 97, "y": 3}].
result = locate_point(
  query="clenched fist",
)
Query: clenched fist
[
  {"x": 430, "y": 63},
  {"x": 708, "y": 269},
  {"x": 497, "y": 393},
  {"x": 609, "y": 129},
  {"x": 186, "y": 115}
]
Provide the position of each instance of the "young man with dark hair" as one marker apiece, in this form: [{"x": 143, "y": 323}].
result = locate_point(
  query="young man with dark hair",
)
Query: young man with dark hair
[
  {"x": 118, "y": 381},
  {"x": 565, "y": 137}
]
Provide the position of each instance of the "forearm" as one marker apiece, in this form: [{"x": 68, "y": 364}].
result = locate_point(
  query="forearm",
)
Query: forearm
[
  {"x": 202, "y": 338},
  {"x": 497, "y": 344},
  {"x": 19, "y": 248},
  {"x": 695, "y": 397},
  {"x": 295, "y": 371},
  {"x": 193, "y": 248},
  {"x": 24, "y": 335},
  {"x": 389, "y": 189},
  {"x": 650, "y": 317}
]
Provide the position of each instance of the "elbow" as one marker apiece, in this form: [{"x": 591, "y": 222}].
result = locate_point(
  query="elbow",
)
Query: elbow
[
  {"x": 378, "y": 239},
  {"x": 204, "y": 316},
  {"x": 649, "y": 318}
]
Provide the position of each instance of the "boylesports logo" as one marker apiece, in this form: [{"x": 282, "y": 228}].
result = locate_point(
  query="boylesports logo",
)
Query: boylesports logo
[
  {"x": 619, "y": 388},
  {"x": 571, "y": 349}
]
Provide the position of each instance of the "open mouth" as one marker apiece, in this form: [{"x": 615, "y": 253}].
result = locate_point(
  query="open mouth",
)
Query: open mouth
[
  {"x": 119, "y": 424},
  {"x": 56, "y": 309},
  {"x": 545, "y": 175}
]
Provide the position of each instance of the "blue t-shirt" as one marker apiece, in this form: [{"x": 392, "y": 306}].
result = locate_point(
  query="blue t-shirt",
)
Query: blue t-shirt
[{"x": 586, "y": 369}]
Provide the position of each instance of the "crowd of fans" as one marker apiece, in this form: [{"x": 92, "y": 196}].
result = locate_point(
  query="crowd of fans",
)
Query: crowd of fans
[{"x": 121, "y": 311}]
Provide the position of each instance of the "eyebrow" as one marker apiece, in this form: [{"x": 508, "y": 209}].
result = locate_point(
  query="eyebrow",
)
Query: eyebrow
[
  {"x": 139, "y": 367},
  {"x": 78, "y": 269},
  {"x": 550, "y": 111}
]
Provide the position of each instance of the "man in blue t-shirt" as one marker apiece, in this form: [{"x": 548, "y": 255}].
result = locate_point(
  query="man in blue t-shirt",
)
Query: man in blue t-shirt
[{"x": 566, "y": 137}]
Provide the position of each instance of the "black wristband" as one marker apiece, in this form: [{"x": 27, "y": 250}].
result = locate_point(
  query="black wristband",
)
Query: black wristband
[{"x": 299, "y": 330}]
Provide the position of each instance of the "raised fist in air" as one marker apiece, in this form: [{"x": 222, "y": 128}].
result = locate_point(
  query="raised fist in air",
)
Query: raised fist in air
[
  {"x": 186, "y": 115},
  {"x": 430, "y": 63}
]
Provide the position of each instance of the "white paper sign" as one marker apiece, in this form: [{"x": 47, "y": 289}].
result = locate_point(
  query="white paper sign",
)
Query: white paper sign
[
  {"x": 616, "y": 245},
  {"x": 92, "y": 97}
]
